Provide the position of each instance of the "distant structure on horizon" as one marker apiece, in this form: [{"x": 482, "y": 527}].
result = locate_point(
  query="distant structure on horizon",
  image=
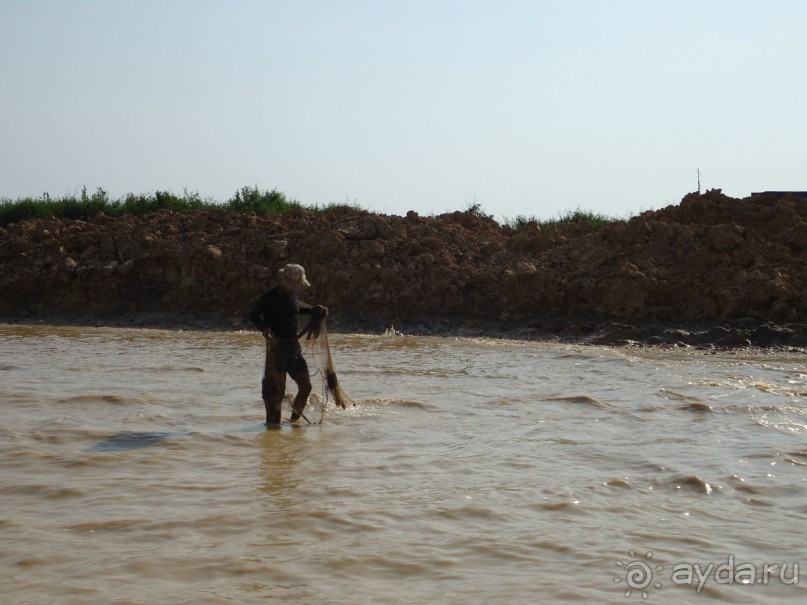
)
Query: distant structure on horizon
[{"x": 801, "y": 194}]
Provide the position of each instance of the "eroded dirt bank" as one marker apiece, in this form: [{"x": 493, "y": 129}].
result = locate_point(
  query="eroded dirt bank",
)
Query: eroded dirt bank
[{"x": 710, "y": 269}]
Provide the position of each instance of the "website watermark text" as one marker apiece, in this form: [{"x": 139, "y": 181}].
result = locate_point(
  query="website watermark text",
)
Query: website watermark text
[{"x": 643, "y": 574}]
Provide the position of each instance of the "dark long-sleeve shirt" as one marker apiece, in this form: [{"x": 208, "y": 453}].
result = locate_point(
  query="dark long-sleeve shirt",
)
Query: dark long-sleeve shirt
[{"x": 277, "y": 312}]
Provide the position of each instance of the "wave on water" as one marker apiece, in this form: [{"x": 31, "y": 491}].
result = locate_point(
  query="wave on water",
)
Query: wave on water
[
  {"x": 797, "y": 458},
  {"x": 404, "y": 403},
  {"x": 696, "y": 484},
  {"x": 585, "y": 399},
  {"x": 168, "y": 368},
  {"x": 788, "y": 418},
  {"x": 697, "y": 406},
  {"x": 411, "y": 371},
  {"x": 575, "y": 356},
  {"x": 101, "y": 398}
]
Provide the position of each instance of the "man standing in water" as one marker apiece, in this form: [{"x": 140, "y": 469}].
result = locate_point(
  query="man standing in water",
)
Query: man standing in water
[{"x": 275, "y": 314}]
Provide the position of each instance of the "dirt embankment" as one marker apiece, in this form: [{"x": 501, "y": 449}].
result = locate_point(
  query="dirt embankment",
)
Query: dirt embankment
[{"x": 712, "y": 268}]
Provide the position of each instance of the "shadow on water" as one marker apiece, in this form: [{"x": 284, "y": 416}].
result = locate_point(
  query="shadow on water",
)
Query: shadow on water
[{"x": 132, "y": 441}]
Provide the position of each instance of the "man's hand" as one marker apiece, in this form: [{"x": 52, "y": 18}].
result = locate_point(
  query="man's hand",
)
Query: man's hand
[
  {"x": 320, "y": 311},
  {"x": 266, "y": 333}
]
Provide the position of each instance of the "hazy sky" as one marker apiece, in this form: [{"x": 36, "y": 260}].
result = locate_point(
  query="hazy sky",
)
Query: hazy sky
[{"x": 524, "y": 107}]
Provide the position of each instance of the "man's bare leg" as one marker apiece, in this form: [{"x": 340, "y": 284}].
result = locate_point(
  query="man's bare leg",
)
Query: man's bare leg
[
  {"x": 303, "y": 391},
  {"x": 273, "y": 399}
]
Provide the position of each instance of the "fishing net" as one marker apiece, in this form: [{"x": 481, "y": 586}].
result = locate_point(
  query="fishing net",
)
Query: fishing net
[{"x": 318, "y": 349}]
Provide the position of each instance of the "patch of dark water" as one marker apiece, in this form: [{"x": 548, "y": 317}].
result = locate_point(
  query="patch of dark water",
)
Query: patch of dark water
[{"x": 132, "y": 441}]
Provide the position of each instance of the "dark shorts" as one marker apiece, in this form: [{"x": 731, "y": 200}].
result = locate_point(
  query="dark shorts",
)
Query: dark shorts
[{"x": 288, "y": 356}]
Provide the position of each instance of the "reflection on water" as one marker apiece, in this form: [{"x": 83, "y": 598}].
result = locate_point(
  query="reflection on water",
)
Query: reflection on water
[{"x": 135, "y": 466}]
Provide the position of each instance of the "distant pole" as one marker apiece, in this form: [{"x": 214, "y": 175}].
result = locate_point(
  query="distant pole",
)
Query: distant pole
[{"x": 699, "y": 181}]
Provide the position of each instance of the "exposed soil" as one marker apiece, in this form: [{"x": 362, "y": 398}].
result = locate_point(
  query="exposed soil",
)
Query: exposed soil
[{"x": 712, "y": 269}]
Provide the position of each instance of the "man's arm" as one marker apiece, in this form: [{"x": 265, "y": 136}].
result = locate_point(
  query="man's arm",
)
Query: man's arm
[
  {"x": 317, "y": 311},
  {"x": 256, "y": 315}
]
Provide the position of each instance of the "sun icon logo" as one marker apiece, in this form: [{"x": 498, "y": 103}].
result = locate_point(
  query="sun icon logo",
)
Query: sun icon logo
[{"x": 638, "y": 574}]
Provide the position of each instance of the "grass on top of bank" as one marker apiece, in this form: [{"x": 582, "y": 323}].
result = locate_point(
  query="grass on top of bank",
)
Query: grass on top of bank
[
  {"x": 245, "y": 200},
  {"x": 594, "y": 219}
]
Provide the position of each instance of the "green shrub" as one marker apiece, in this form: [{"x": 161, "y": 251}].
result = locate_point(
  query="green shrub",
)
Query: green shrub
[
  {"x": 252, "y": 199},
  {"x": 337, "y": 207},
  {"x": 579, "y": 216},
  {"x": 21, "y": 210},
  {"x": 518, "y": 223}
]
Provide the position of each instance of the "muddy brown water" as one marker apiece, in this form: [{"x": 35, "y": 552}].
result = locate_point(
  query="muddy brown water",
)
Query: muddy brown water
[{"x": 135, "y": 469}]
